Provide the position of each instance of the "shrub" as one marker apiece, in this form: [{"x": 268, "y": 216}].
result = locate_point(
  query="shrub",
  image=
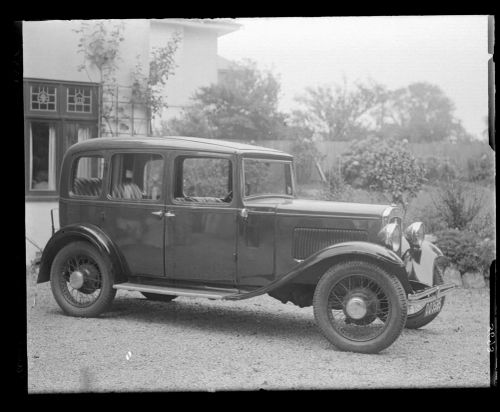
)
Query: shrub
[
  {"x": 466, "y": 250},
  {"x": 482, "y": 168},
  {"x": 383, "y": 165},
  {"x": 438, "y": 169},
  {"x": 457, "y": 204}
]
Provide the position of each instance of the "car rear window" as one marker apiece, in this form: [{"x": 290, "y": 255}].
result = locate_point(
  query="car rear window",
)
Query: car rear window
[{"x": 87, "y": 177}]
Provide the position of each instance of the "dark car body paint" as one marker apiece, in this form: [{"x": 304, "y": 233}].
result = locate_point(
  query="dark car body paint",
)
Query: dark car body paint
[
  {"x": 86, "y": 232},
  {"x": 252, "y": 255}
]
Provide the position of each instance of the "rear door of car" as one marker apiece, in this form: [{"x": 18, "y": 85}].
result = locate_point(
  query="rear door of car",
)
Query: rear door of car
[{"x": 134, "y": 208}]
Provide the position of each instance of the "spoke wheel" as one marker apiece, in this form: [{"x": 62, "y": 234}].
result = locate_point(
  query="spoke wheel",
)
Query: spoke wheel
[
  {"x": 81, "y": 280},
  {"x": 359, "y": 307}
]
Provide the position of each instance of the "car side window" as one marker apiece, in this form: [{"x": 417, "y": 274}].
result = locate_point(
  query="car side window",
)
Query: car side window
[
  {"x": 203, "y": 180},
  {"x": 136, "y": 176},
  {"x": 87, "y": 176}
]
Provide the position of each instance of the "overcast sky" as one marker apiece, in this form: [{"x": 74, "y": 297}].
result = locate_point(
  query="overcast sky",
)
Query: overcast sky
[{"x": 449, "y": 51}]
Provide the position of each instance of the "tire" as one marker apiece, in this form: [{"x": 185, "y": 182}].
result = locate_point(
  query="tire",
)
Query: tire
[
  {"x": 380, "y": 296},
  {"x": 158, "y": 297},
  {"x": 81, "y": 279},
  {"x": 418, "y": 319}
]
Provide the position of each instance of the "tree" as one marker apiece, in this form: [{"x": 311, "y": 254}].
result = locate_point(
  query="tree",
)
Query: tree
[
  {"x": 338, "y": 112},
  {"x": 150, "y": 89},
  {"x": 243, "y": 105},
  {"x": 99, "y": 43},
  {"x": 421, "y": 112},
  {"x": 385, "y": 165}
]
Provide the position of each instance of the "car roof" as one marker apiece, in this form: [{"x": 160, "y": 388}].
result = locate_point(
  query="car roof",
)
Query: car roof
[{"x": 173, "y": 142}]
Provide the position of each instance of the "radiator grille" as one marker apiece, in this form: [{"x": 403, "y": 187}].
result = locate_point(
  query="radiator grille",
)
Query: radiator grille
[{"x": 307, "y": 241}]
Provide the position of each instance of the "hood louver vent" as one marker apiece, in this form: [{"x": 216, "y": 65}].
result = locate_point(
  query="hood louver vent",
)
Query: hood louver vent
[{"x": 307, "y": 241}]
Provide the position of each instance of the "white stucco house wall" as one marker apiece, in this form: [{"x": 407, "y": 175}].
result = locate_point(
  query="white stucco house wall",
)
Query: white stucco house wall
[{"x": 60, "y": 102}]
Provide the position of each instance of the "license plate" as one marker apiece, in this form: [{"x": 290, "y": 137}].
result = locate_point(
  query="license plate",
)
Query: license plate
[{"x": 433, "y": 307}]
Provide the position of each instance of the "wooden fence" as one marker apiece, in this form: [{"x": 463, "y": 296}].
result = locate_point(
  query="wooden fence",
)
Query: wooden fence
[{"x": 456, "y": 153}]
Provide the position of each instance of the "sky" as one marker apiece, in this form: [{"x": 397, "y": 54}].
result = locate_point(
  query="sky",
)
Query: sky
[{"x": 449, "y": 51}]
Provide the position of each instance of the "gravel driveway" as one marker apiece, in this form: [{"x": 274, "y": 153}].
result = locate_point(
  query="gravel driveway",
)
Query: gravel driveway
[{"x": 198, "y": 344}]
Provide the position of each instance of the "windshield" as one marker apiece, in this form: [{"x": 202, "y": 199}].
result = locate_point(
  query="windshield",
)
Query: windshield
[{"x": 265, "y": 177}]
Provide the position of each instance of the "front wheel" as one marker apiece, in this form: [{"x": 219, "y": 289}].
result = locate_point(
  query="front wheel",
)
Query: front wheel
[
  {"x": 81, "y": 279},
  {"x": 359, "y": 307}
]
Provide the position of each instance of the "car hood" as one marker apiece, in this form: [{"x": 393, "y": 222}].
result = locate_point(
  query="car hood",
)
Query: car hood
[{"x": 320, "y": 207}]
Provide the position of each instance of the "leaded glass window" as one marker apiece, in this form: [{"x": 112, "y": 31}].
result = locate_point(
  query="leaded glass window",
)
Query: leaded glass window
[
  {"x": 43, "y": 98},
  {"x": 79, "y": 100}
]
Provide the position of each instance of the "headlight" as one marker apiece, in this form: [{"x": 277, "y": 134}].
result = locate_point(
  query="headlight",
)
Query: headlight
[
  {"x": 415, "y": 234},
  {"x": 391, "y": 236}
]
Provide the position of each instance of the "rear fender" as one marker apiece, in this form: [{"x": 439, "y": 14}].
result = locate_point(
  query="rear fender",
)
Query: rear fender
[{"x": 89, "y": 233}]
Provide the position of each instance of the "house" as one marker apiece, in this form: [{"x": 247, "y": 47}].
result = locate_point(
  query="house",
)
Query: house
[{"x": 61, "y": 102}]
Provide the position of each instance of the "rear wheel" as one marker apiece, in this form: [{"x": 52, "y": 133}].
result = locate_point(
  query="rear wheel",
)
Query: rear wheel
[
  {"x": 81, "y": 279},
  {"x": 359, "y": 307},
  {"x": 158, "y": 297}
]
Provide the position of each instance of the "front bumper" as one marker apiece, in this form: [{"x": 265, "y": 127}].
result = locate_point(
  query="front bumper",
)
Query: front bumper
[
  {"x": 423, "y": 267},
  {"x": 430, "y": 294}
]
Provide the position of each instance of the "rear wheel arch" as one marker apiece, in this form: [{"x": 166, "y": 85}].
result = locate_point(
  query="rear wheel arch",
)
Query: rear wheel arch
[{"x": 93, "y": 236}]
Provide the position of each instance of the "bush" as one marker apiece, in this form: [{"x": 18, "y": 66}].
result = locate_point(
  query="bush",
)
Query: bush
[
  {"x": 438, "y": 169},
  {"x": 457, "y": 204},
  {"x": 385, "y": 165},
  {"x": 466, "y": 250},
  {"x": 481, "y": 169}
]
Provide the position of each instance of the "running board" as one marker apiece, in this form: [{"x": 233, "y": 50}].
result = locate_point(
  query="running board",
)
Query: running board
[{"x": 172, "y": 290}]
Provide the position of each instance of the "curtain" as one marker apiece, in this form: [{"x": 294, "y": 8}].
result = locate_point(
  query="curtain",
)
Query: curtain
[
  {"x": 52, "y": 158},
  {"x": 84, "y": 163}
]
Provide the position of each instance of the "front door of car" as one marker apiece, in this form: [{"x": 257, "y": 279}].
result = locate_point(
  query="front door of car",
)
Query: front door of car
[
  {"x": 133, "y": 213},
  {"x": 201, "y": 219}
]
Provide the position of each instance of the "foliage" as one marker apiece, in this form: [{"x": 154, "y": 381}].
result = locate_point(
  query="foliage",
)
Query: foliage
[
  {"x": 242, "y": 105},
  {"x": 336, "y": 113},
  {"x": 481, "y": 169},
  {"x": 99, "y": 43},
  {"x": 383, "y": 165},
  {"x": 421, "y": 112},
  {"x": 457, "y": 204},
  {"x": 150, "y": 89},
  {"x": 438, "y": 169},
  {"x": 466, "y": 250},
  {"x": 206, "y": 177}
]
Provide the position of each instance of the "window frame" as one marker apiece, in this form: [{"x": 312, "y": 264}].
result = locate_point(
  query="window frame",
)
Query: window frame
[
  {"x": 267, "y": 159},
  {"x": 203, "y": 155},
  {"x": 108, "y": 190},
  {"x": 72, "y": 171},
  {"x": 60, "y": 118}
]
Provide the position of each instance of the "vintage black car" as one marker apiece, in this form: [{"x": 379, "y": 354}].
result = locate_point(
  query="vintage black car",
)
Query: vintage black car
[{"x": 182, "y": 216}]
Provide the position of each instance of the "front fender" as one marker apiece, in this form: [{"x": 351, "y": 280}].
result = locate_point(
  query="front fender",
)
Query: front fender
[
  {"x": 419, "y": 263},
  {"x": 347, "y": 250},
  {"x": 86, "y": 232}
]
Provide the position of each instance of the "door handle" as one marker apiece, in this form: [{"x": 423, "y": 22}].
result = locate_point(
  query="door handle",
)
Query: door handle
[
  {"x": 170, "y": 214},
  {"x": 160, "y": 213}
]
